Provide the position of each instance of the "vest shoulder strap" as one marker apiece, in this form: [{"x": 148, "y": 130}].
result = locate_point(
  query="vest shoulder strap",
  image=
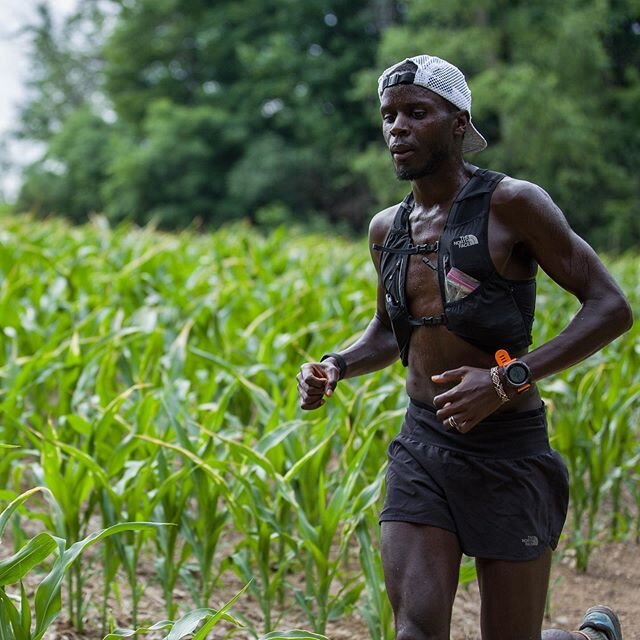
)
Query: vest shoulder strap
[
  {"x": 399, "y": 225},
  {"x": 472, "y": 199},
  {"x": 402, "y": 213}
]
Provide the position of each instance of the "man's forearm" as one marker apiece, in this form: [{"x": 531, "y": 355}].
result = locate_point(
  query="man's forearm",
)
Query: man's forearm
[
  {"x": 375, "y": 349},
  {"x": 594, "y": 326}
]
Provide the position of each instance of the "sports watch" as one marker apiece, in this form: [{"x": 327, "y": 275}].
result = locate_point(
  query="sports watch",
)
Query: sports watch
[{"x": 516, "y": 373}]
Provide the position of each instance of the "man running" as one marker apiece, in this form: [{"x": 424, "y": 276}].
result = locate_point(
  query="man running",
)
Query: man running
[{"x": 471, "y": 470}]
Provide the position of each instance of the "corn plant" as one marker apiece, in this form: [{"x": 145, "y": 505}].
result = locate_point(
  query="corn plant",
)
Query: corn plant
[
  {"x": 149, "y": 376},
  {"x": 31, "y": 621},
  {"x": 197, "y": 624},
  {"x": 375, "y": 609},
  {"x": 262, "y": 514},
  {"x": 331, "y": 520},
  {"x": 594, "y": 430},
  {"x": 201, "y": 534}
]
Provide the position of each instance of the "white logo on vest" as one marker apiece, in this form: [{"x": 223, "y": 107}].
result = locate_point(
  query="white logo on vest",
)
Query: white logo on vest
[{"x": 465, "y": 241}]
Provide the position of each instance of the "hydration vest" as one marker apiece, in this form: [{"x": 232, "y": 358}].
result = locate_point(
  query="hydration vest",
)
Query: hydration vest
[{"x": 498, "y": 313}]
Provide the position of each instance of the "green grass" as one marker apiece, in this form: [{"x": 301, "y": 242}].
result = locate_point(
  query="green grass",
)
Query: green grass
[{"x": 150, "y": 377}]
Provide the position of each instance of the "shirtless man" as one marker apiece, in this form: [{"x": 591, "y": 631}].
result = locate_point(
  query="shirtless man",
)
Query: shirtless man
[{"x": 471, "y": 470}]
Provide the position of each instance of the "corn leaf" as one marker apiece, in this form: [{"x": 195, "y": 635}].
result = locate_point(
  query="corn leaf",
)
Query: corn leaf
[
  {"x": 47, "y": 598},
  {"x": 16, "y": 567}
]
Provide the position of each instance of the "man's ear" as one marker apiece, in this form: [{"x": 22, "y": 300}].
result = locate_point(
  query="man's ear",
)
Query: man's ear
[{"x": 460, "y": 123}]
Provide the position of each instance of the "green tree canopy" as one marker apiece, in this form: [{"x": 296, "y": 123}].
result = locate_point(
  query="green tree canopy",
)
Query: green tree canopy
[
  {"x": 551, "y": 92},
  {"x": 188, "y": 109}
]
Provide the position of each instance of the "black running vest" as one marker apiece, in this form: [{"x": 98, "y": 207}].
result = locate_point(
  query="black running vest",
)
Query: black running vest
[{"x": 498, "y": 314}]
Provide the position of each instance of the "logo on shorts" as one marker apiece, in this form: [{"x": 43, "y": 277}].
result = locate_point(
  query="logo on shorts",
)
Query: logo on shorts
[
  {"x": 530, "y": 541},
  {"x": 465, "y": 241}
]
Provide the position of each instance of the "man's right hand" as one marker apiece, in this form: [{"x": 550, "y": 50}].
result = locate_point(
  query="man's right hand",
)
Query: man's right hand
[{"x": 316, "y": 380}]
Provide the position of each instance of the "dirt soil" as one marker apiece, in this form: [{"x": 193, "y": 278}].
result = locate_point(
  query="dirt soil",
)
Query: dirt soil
[{"x": 613, "y": 578}]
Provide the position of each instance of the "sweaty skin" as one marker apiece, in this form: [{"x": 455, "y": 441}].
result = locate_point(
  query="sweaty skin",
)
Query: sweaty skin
[{"x": 526, "y": 230}]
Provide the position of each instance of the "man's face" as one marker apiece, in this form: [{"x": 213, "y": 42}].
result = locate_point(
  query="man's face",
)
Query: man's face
[{"x": 417, "y": 125}]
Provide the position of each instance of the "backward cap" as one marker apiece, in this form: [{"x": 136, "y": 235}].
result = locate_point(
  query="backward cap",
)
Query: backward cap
[{"x": 442, "y": 78}]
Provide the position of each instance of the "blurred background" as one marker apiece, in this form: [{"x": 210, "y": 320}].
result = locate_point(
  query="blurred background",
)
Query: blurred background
[{"x": 194, "y": 113}]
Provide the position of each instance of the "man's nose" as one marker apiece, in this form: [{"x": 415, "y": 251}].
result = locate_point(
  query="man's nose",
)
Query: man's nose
[{"x": 400, "y": 125}]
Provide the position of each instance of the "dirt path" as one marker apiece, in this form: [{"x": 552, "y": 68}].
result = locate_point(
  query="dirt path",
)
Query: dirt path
[{"x": 613, "y": 578}]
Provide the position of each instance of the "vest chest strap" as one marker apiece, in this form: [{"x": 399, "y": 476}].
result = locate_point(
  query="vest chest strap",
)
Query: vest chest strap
[
  {"x": 413, "y": 249},
  {"x": 428, "y": 321}
]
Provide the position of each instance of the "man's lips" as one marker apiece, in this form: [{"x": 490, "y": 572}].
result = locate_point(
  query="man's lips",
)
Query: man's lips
[{"x": 401, "y": 150}]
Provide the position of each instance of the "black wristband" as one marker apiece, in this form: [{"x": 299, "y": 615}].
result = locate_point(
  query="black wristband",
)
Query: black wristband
[{"x": 340, "y": 361}]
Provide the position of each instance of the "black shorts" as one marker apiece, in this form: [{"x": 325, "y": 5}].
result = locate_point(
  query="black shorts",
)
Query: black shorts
[{"x": 500, "y": 487}]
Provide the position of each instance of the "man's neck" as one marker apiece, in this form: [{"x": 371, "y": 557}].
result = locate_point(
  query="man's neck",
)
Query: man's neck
[{"x": 441, "y": 187}]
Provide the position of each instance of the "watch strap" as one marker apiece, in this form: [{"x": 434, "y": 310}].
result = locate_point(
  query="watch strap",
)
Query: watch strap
[{"x": 504, "y": 359}]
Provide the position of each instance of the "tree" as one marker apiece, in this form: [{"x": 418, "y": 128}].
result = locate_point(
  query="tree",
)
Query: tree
[
  {"x": 215, "y": 110},
  {"x": 69, "y": 179},
  {"x": 281, "y": 70},
  {"x": 550, "y": 88},
  {"x": 173, "y": 176},
  {"x": 65, "y": 109},
  {"x": 65, "y": 69}
]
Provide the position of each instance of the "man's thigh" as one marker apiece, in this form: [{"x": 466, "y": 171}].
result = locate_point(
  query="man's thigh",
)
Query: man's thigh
[
  {"x": 513, "y": 595},
  {"x": 421, "y": 567}
]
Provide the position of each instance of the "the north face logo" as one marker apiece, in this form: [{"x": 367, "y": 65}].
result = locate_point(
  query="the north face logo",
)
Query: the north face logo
[
  {"x": 465, "y": 241},
  {"x": 530, "y": 541}
]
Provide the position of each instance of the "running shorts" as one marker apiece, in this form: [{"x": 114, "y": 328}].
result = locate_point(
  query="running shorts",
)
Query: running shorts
[{"x": 500, "y": 487}]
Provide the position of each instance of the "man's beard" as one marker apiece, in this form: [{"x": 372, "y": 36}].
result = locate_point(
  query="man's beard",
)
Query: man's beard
[{"x": 431, "y": 166}]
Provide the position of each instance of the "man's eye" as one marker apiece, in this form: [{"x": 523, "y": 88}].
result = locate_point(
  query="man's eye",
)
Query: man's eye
[
  {"x": 387, "y": 117},
  {"x": 418, "y": 114}
]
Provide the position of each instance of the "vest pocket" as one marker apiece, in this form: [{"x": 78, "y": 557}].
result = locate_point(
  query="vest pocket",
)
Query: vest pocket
[
  {"x": 488, "y": 318},
  {"x": 458, "y": 285}
]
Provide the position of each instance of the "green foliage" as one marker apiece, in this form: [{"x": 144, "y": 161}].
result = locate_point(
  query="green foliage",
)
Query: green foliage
[
  {"x": 69, "y": 179},
  {"x": 151, "y": 377},
  {"x": 272, "y": 171},
  {"x": 547, "y": 79},
  {"x": 268, "y": 110},
  {"x": 274, "y": 74},
  {"x": 17, "y": 623},
  {"x": 66, "y": 72},
  {"x": 169, "y": 176}
]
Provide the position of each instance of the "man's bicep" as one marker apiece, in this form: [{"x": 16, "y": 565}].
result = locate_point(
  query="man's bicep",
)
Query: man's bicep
[
  {"x": 378, "y": 230},
  {"x": 577, "y": 269},
  {"x": 561, "y": 253},
  {"x": 381, "y": 308}
]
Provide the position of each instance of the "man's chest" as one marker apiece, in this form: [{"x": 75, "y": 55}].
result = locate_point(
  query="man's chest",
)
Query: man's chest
[
  {"x": 486, "y": 238},
  {"x": 473, "y": 251}
]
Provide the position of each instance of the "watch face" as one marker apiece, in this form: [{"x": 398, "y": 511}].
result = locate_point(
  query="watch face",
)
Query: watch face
[{"x": 518, "y": 373}]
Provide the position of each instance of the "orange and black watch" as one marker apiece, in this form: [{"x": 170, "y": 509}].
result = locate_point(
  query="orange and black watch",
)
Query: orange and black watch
[{"x": 516, "y": 373}]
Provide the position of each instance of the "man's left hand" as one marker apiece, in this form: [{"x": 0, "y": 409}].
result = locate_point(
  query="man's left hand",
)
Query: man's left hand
[{"x": 471, "y": 400}]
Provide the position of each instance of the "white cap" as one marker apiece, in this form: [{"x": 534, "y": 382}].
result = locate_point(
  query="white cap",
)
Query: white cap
[{"x": 442, "y": 78}]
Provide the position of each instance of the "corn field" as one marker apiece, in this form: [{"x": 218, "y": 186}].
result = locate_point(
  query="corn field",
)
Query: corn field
[{"x": 148, "y": 409}]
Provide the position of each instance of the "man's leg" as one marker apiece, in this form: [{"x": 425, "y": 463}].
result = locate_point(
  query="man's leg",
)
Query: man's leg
[
  {"x": 421, "y": 568},
  {"x": 513, "y": 598}
]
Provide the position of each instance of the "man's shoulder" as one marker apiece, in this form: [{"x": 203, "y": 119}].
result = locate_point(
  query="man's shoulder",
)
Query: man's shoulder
[
  {"x": 381, "y": 223},
  {"x": 513, "y": 192},
  {"x": 527, "y": 210},
  {"x": 516, "y": 199}
]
